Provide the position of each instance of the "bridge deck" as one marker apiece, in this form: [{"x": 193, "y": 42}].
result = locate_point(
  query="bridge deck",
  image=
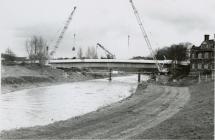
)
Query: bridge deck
[{"x": 109, "y": 61}]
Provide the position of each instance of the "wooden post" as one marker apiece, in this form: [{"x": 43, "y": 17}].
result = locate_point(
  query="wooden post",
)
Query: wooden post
[
  {"x": 110, "y": 74},
  {"x": 199, "y": 77},
  {"x": 139, "y": 76}
]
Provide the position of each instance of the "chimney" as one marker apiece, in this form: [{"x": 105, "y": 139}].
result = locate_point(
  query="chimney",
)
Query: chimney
[{"x": 207, "y": 37}]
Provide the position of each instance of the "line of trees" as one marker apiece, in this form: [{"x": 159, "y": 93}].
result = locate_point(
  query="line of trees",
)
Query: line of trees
[
  {"x": 89, "y": 54},
  {"x": 177, "y": 52},
  {"x": 174, "y": 52}
]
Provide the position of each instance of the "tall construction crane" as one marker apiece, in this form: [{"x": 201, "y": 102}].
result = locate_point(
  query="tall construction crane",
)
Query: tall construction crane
[
  {"x": 62, "y": 32},
  {"x": 109, "y": 54},
  {"x": 159, "y": 67}
]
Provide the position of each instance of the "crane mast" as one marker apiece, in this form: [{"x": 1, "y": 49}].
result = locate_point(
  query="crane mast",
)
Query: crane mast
[
  {"x": 145, "y": 36},
  {"x": 109, "y": 53},
  {"x": 63, "y": 32}
]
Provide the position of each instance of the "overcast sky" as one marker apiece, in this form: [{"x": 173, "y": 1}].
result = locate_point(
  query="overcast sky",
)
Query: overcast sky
[{"x": 108, "y": 22}]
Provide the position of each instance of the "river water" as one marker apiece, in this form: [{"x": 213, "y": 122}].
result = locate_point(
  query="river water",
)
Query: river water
[{"x": 44, "y": 105}]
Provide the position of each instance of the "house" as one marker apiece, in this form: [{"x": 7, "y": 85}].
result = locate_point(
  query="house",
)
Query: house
[{"x": 202, "y": 57}]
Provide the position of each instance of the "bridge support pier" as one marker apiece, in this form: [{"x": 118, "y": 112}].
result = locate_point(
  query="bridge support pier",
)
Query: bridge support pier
[
  {"x": 139, "y": 76},
  {"x": 110, "y": 74}
]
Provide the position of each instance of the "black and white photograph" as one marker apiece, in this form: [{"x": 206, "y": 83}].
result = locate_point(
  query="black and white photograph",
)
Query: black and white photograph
[{"x": 107, "y": 69}]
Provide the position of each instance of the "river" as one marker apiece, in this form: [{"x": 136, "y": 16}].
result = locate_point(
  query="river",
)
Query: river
[{"x": 45, "y": 105}]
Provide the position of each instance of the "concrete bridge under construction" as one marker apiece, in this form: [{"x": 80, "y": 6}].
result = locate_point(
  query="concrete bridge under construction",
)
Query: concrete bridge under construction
[{"x": 138, "y": 66}]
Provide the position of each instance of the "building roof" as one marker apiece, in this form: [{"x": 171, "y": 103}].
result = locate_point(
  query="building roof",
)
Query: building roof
[{"x": 206, "y": 44}]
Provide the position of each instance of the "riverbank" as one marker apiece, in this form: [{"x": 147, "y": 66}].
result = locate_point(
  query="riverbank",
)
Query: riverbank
[
  {"x": 18, "y": 77},
  {"x": 145, "y": 109},
  {"x": 46, "y": 105}
]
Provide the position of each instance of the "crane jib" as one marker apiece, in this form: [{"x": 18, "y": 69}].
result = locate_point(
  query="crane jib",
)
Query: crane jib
[
  {"x": 63, "y": 32},
  {"x": 159, "y": 67}
]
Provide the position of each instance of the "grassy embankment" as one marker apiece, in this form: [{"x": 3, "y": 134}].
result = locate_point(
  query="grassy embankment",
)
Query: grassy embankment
[
  {"x": 18, "y": 77},
  {"x": 194, "y": 121}
]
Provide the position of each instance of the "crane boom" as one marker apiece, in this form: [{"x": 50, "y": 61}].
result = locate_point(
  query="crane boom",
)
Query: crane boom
[
  {"x": 62, "y": 32},
  {"x": 145, "y": 36},
  {"x": 109, "y": 53}
]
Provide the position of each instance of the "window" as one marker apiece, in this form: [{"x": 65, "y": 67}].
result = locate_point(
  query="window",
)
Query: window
[
  {"x": 206, "y": 55},
  {"x": 205, "y": 66},
  {"x": 200, "y": 55},
  {"x": 193, "y": 55},
  {"x": 199, "y": 66},
  {"x": 193, "y": 66}
]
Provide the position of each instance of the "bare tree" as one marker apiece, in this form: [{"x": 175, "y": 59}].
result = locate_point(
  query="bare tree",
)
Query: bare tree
[
  {"x": 80, "y": 53},
  {"x": 91, "y": 53},
  {"x": 36, "y": 47},
  {"x": 9, "y": 55}
]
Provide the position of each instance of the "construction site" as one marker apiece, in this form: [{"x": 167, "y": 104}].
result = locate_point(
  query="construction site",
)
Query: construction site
[{"x": 89, "y": 91}]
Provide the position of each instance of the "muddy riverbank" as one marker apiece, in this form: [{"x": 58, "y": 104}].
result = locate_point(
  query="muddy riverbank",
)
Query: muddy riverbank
[
  {"x": 18, "y": 77},
  {"x": 45, "y": 105}
]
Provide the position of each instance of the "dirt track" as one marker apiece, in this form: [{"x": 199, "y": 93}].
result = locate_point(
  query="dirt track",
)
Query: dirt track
[{"x": 145, "y": 109}]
